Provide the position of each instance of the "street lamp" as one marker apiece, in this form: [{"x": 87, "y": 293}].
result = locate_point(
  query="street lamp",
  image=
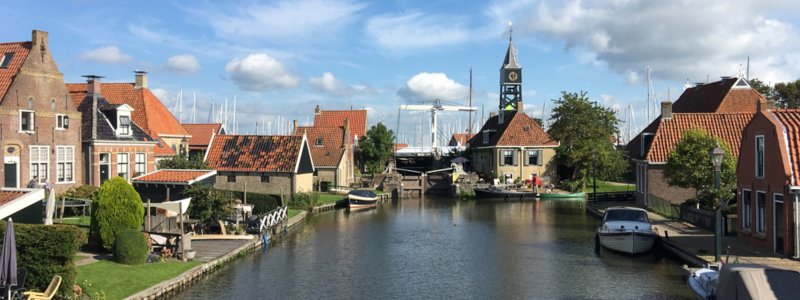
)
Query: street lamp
[{"x": 716, "y": 158}]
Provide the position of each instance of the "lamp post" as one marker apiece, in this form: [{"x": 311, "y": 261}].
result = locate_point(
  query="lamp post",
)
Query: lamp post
[
  {"x": 716, "y": 158},
  {"x": 594, "y": 174}
]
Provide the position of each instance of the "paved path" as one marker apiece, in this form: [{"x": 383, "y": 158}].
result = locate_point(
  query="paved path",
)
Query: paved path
[{"x": 699, "y": 243}]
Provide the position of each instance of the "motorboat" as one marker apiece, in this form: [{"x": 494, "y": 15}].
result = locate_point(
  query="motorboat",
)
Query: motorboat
[
  {"x": 507, "y": 194},
  {"x": 565, "y": 196},
  {"x": 361, "y": 199},
  {"x": 744, "y": 281},
  {"x": 626, "y": 229}
]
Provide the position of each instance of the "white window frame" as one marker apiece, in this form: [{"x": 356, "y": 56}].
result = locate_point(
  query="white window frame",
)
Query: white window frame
[
  {"x": 747, "y": 207},
  {"x": 65, "y": 164},
  {"x": 761, "y": 213},
  {"x": 137, "y": 164},
  {"x": 760, "y": 155},
  {"x": 126, "y": 164},
  {"x": 538, "y": 153},
  {"x": 39, "y": 162},
  {"x": 62, "y": 122},
  {"x": 642, "y": 141},
  {"x": 503, "y": 157},
  {"x": 33, "y": 121}
]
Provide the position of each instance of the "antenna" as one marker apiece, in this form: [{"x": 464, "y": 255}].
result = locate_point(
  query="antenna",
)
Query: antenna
[
  {"x": 235, "y": 124},
  {"x": 194, "y": 106},
  {"x": 469, "y": 130},
  {"x": 747, "y": 76}
]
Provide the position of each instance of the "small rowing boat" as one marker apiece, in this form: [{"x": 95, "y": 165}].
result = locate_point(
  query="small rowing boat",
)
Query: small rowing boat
[{"x": 361, "y": 199}]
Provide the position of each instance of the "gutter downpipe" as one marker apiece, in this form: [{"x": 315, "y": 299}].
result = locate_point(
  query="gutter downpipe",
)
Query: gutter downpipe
[{"x": 795, "y": 190}]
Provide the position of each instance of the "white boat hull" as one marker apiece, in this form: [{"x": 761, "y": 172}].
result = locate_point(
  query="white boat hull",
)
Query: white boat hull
[
  {"x": 703, "y": 283},
  {"x": 627, "y": 242}
]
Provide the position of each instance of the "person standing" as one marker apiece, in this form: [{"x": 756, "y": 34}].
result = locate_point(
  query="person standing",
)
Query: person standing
[{"x": 34, "y": 182}]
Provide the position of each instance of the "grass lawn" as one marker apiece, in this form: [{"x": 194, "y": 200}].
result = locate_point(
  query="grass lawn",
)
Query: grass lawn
[
  {"x": 328, "y": 198},
  {"x": 118, "y": 281},
  {"x": 78, "y": 220},
  {"x": 607, "y": 186},
  {"x": 292, "y": 212}
]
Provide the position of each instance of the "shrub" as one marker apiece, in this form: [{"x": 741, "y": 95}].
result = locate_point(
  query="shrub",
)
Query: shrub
[
  {"x": 208, "y": 204},
  {"x": 80, "y": 192},
  {"x": 130, "y": 247},
  {"x": 118, "y": 207},
  {"x": 46, "y": 251},
  {"x": 304, "y": 201},
  {"x": 262, "y": 203}
]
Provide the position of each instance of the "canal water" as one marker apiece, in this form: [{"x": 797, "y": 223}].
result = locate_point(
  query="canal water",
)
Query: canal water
[{"x": 436, "y": 248}]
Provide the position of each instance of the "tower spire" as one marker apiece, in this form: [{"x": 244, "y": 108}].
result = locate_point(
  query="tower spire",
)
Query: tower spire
[{"x": 510, "y": 78}]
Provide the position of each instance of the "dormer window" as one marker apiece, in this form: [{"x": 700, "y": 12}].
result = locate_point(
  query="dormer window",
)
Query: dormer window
[
  {"x": 124, "y": 125},
  {"x": 318, "y": 142},
  {"x": 5, "y": 60}
]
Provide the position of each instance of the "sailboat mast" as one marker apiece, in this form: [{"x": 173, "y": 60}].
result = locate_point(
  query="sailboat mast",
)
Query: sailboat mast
[{"x": 469, "y": 127}]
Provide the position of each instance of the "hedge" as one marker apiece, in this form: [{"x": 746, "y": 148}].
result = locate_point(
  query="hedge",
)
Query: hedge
[
  {"x": 130, "y": 247},
  {"x": 118, "y": 207},
  {"x": 262, "y": 203},
  {"x": 46, "y": 251}
]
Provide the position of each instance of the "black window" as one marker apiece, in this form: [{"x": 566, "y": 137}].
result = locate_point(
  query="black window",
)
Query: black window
[
  {"x": 62, "y": 122},
  {"x": 26, "y": 120},
  {"x": 5, "y": 60},
  {"x": 760, "y": 156},
  {"x": 318, "y": 142},
  {"x": 507, "y": 158},
  {"x": 124, "y": 125},
  {"x": 534, "y": 158},
  {"x": 265, "y": 178},
  {"x": 231, "y": 178}
]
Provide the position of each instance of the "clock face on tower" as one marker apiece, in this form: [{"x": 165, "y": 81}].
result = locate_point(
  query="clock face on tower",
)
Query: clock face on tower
[{"x": 513, "y": 76}]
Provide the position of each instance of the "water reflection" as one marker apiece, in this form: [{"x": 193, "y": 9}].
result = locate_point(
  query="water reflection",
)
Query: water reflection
[{"x": 445, "y": 248}]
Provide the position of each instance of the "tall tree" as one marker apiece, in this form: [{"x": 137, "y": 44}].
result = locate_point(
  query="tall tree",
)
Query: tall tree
[
  {"x": 788, "y": 94},
  {"x": 763, "y": 88},
  {"x": 585, "y": 131},
  {"x": 183, "y": 163},
  {"x": 376, "y": 147},
  {"x": 689, "y": 166}
]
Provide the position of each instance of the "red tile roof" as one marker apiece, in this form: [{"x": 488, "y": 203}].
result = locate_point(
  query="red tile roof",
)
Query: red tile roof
[
  {"x": 335, "y": 118},
  {"x": 517, "y": 130},
  {"x": 8, "y": 196},
  {"x": 399, "y": 146},
  {"x": 162, "y": 148},
  {"x": 7, "y": 75},
  {"x": 148, "y": 112},
  {"x": 461, "y": 138},
  {"x": 325, "y": 144},
  {"x": 175, "y": 176},
  {"x": 201, "y": 134},
  {"x": 728, "y": 127},
  {"x": 720, "y": 96},
  {"x": 790, "y": 119},
  {"x": 255, "y": 153}
]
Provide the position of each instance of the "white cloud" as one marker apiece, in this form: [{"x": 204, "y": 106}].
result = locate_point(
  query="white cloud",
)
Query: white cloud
[
  {"x": 258, "y": 72},
  {"x": 679, "y": 39},
  {"x": 161, "y": 94},
  {"x": 633, "y": 77},
  {"x": 416, "y": 31},
  {"x": 286, "y": 19},
  {"x": 184, "y": 64},
  {"x": 430, "y": 86},
  {"x": 327, "y": 83},
  {"x": 106, "y": 55}
]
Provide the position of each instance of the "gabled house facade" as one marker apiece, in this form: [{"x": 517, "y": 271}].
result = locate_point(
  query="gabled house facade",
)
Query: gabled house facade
[
  {"x": 768, "y": 182},
  {"x": 332, "y": 151},
  {"x": 39, "y": 126},
  {"x": 113, "y": 144},
  {"x": 459, "y": 139},
  {"x": 202, "y": 134},
  {"x": 149, "y": 113},
  {"x": 269, "y": 164},
  {"x": 721, "y": 108}
]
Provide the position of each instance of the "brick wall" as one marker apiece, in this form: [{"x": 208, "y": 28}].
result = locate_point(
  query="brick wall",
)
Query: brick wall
[{"x": 113, "y": 150}]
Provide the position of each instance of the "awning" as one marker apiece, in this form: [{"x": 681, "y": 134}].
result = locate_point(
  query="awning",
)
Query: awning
[{"x": 174, "y": 206}]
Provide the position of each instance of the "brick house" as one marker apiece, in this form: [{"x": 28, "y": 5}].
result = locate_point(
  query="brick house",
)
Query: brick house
[
  {"x": 113, "y": 144},
  {"x": 332, "y": 151},
  {"x": 35, "y": 112},
  {"x": 201, "y": 137},
  {"x": 335, "y": 118},
  {"x": 768, "y": 184},
  {"x": 268, "y": 164},
  {"x": 514, "y": 145},
  {"x": 722, "y": 108},
  {"x": 149, "y": 113}
]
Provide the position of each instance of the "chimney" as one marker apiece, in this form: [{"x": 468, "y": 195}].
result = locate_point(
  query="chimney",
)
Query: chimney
[
  {"x": 492, "y": 114},
  {"x": 141, "y": 79},
  {"x": 39, "y": 40},
  {"x": 317, "y": 111},
  {"x": 770, "y": 104},
  {"x": 666, "y": 109},
  {"x": 501, "y": 116},
  {"x": 294, "y": 127},
  {"x": 346, "y": 132},
  {"x": 519, "y": 106},
  {"x": 93, "y": 84}
]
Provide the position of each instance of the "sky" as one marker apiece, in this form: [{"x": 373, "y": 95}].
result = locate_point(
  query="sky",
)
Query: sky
[{"x": 279, "y": 59}]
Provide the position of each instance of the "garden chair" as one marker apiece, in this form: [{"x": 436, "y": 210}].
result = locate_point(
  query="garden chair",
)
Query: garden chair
[
  {"x": 16, "y": 291},
  {"x": 49, "y": 293}
]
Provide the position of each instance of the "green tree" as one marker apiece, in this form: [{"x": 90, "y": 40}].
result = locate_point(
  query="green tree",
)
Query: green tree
[
  {"x": 118, "y": 207},
  {"x": 208, "y": 204},
  {"x": 689, "y": 166},
  {"x": 763, "y": 88},
  {"x": 585, "y": 131},
  {"x": 376, "y": 147},
  {"x": 788, "y": 94},
  {"x": 182, "y": 163}
]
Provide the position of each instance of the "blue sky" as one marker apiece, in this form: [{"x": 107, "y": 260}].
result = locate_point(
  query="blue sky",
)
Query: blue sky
[{"x": 280, "y": 58}]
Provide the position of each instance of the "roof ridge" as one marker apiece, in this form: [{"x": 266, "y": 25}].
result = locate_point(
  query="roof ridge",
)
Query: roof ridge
[{"x": 11, "y": 43}]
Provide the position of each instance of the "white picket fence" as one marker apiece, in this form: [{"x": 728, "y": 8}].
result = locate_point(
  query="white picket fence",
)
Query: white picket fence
[{"x": 271, "y": 219}]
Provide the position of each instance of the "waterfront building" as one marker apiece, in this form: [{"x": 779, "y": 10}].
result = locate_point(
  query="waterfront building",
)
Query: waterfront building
[
  {"x": 38, "y": 140},
  {"x": 149, "y": 113},
  {"x": 268, "y": 164},
  {"x": 722, "y": 108},
  {"x": 768, "y": 185},
  {"x": 459, "y": 139},
  {"x": 201, "y": 137},
  {"x": 332, "y": 152},
  {"x": 168, "y": 185},
  {"x": 511, "y": 145}
]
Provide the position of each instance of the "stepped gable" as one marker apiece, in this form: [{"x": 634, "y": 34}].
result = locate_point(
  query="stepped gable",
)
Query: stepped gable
[{"x": 255, "y": 153}]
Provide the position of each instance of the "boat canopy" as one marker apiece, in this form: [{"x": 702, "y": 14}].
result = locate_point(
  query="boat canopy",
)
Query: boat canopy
[
  {"x": 626, "y": 215},
  {"x": 752, "y": 281}
]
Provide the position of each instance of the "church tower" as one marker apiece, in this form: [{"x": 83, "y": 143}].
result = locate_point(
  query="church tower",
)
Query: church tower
[{"x": 510, "y": 79}]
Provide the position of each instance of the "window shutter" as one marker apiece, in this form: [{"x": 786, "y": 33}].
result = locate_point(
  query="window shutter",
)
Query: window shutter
[
  {"x": 527, "y": 159},
  {"x": 502, "y": 157},
  {"x": 539, "y": 158},
  {"x": 66, "y": 122},
  {"x": 514, "y": 157}
]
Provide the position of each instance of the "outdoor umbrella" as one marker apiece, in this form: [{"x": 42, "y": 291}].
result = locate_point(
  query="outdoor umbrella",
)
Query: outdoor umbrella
[
  {"x": 51, "y": 208},
  {"x": 8, "y": 259}
]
